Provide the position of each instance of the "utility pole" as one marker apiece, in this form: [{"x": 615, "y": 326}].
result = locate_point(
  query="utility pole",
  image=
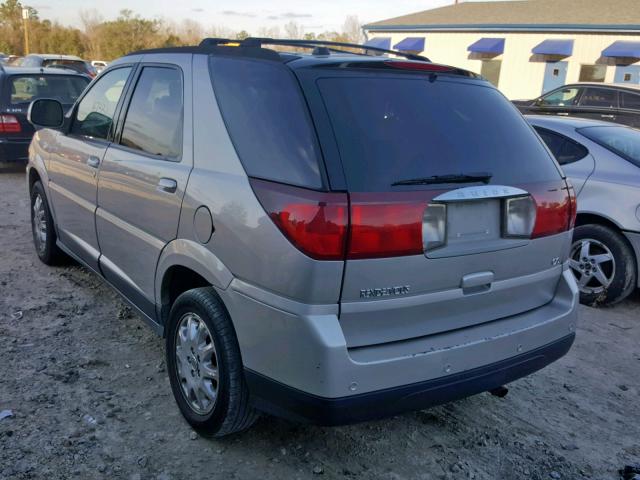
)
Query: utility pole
[{"x": 26, "y": 15}]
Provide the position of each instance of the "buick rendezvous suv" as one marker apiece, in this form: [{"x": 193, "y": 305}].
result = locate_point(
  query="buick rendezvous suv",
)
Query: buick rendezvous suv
[{"x": 325, "y": 236}]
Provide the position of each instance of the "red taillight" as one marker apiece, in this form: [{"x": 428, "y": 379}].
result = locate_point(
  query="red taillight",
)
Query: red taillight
[
  {"x": 422, "y": 66},
  {"x": 573, "y": 203},
  {"x": 554, "y": 211},
  {"x": 9, "y": 124},
  {"x": 315, "y": 222},
  {"x": 385, "y": 225}
]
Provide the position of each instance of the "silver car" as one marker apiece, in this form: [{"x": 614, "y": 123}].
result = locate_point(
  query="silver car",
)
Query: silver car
[
  {"x": 328, "y": 237},
  {"x": 602, "y": 161}
]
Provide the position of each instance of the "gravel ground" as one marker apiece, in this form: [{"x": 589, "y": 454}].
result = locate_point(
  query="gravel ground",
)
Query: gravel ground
[{"x": 86, "y": 382}]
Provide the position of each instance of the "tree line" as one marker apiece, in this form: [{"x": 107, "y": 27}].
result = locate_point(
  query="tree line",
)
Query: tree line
[{"x": 108, "y": 39}]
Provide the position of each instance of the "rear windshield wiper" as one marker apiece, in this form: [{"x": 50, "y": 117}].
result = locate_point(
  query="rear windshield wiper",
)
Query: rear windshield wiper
[{"x": 483, "y": 177}]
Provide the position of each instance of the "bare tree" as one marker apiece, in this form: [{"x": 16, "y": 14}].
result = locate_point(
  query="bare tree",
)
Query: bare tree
[
  {"x": 294, "y": 30},
  {"x": 352, "y": 29}
]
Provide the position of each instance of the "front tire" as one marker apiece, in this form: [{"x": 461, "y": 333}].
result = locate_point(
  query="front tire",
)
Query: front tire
[
  {"x": 43, "y": 228},
  {"x": 205, "y": 366},
  {"x": 603, "y": 264}
]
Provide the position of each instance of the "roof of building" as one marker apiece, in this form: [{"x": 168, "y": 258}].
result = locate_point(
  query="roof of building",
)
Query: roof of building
[{"x": 522, "y": 15}]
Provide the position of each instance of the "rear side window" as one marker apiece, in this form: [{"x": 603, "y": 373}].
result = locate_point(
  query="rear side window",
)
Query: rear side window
[
  {"x": 394, "y": 128},
  {"x": 564, "y": 149},
  {"x": 560, "y": 98},
  {"x": 629, "y": 100},
  {"x": 65, "y": 89},
  {"x": 268, "y": 120},
  {"x": 599, "y": 97},
  {"x": 154, "y": 119}
]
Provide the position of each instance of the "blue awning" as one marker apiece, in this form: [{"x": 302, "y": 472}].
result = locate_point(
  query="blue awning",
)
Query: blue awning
[
  {"x": 379, "y": 42},
  {"x": 487, "y": 45},
  {"x": 554, "y": 47},
  {"x": 622, "y": 48},
  {"x": 410, "y": 44}
]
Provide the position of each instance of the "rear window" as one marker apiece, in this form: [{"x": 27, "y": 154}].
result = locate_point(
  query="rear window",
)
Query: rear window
[
  {"x": 622, "y": 141},
  {"x": 77, "y": 65},
  {"x": 65, "y": 89},
  {"x": 390, "y": 129},
  {"x": 267, "y": 119}
]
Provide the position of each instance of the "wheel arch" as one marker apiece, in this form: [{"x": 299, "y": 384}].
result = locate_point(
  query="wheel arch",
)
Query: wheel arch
[{"x": 183, "y": 265}]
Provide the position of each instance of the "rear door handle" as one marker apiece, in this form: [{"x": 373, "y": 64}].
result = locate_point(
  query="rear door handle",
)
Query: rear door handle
[
  {"x": 168, "y": 185},
  {"x": 563, "y": 114},
  {"x": 607, "y": 116},
  {"x": 93, "y": 161}
]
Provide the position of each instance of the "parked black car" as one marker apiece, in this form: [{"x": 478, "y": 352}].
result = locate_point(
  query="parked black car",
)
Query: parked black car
[
  {"x": 608, "y": 102},
  {"x": 19, "y": 86},
  {"x": 51, "y": 60}
]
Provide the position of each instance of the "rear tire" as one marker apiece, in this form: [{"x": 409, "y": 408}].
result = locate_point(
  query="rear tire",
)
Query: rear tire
[
  {"x": 205, "y": 367},
  {"x": 604, "y": 265},
  {"x": 43, "y": 228}
]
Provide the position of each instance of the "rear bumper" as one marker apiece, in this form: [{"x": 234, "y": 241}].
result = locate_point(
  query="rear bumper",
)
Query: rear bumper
[
  {"x": 298, "y": 365},
  {"x": 14, "y": 150},
  {"x": 281, "y": 400}
]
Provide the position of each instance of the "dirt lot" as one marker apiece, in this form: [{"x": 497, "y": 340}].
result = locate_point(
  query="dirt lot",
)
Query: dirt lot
[{"x": 86, "y": 381}]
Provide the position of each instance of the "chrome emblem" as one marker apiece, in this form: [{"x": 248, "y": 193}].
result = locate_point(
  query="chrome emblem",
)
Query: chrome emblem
[
  {"x": 384, "y": 292},
  {"x": 479, "y": 192}
]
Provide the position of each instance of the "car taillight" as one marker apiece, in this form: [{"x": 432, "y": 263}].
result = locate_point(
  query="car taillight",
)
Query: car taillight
[
  {"x": 385, "y": 225},
  {"x": 554, "y": 211},
  {"x": 9, "y": 124},
  {"x": 314, "y": 222},
  {"x": 519, "y": 217},
  {"x": 573, "y": 203}
]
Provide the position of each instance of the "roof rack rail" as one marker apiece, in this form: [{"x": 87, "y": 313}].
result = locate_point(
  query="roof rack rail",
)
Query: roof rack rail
[{"x": 258, "y": 42}]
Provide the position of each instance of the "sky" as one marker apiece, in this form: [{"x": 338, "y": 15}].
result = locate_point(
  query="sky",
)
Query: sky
[{"x": 250, "y": 15}]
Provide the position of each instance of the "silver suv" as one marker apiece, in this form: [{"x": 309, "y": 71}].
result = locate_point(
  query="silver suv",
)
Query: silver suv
[{"x": 328, "y": 237}]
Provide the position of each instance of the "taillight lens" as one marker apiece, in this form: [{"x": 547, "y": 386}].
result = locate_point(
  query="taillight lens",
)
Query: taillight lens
[
  {"x": 315, "y": 222},
  {"x": 434, "y": 226},
  {"x": 9, "y": 124},
  {"x": 573, "y": 203},
  {"x": 554, "y": 211},
  {"x": 385, "y": 225},
  {"x": 519, "y": 217}
]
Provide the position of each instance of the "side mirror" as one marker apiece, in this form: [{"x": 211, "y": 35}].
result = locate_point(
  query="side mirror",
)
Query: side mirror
[{"x": 46, "y": 113}]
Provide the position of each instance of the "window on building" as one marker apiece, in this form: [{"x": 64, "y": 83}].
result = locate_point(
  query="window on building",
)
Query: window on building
[
  {"x": 564, "y": 149},
  {"x": 154, "y": 119},
  {"x": 629, "y": 100},
  {"x": 627, "y": 77},
  {"x": 599, "y": 97},
  {"x": 592, "y": 73},
  {"x": 560, "y": 98},
  {"x": 491, "y": 70}
]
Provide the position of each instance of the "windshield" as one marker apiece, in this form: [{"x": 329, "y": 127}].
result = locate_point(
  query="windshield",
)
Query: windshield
[
  {"x": 65, "y": 89},
  {"x": 623, "y": 141},
  {"x": 392, "y": 128}
]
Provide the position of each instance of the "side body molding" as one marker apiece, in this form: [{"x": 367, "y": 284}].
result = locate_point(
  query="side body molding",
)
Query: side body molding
[{"x": 189, "y": 254}]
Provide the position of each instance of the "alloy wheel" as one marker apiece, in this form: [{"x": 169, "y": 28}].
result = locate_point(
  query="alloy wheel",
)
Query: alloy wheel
[
  {"x": 196, "y": 363},
  {"x": 593, "y": 265},
  {"x": 39, "y": 223}
]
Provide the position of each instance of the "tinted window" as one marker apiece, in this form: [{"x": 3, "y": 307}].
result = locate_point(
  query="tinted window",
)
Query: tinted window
[
  {"x": 599, "y": 97},
  {"x": 268, "y": 120},
  {"x": 620, "y": 140},
  {"x": 629, "y": 100},
  {"x": 561, "y": 98},
  {"x": 395, "y": 128},
  {"x": 154, "y": 118},
  {"x": 564, "y": 149},
  {"x": 65, "y": 89},
  {"x": 76, "y": 65},
  {"x": 94, "y": 115},
  {"x": 592, "y": 73}
]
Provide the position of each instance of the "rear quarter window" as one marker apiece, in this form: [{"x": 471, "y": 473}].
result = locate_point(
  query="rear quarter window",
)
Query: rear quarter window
[
  {"x": 390, "y": 128},
  {"x": 268, "y": 120}
]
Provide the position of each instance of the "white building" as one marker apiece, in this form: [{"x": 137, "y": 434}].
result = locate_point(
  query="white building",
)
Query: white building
[{"x": 525, "y": 47}]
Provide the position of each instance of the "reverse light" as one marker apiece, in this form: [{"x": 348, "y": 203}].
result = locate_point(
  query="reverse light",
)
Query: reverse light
[
  {"x": 434, "y": 226},
  {"x": 9, "y": 124},
  {"x": 519, "y": 217}
]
